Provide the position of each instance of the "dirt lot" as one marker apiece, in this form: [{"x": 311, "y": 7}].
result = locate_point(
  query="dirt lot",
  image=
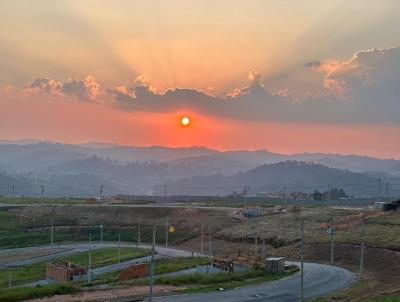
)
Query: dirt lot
[{"x": 110, "y": 295}]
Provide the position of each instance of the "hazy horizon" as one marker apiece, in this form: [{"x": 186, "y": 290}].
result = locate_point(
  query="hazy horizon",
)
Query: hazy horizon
[
  {"x": 111, "y": 144},
  {"x": 287, "y": 76}
]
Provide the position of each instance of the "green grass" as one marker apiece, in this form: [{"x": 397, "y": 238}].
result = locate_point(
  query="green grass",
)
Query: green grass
[
  {"x": 353, "y": 291},
  {"x": 39, "y": 200},
  {"x": 384, "y": 299},
  {"x": 250, "y": 280},
  {"x": 19, "y": 229},
  {"x": 198, "y": 280},
  {"x": 100, "y": 257},
  {"x": 21, "y": 294},
  {"x": 104, "y": 256},
  {"x": 163, "y": 266}
]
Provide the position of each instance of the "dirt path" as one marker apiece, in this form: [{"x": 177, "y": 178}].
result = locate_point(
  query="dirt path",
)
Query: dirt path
[{"x": 111, "y": 295}]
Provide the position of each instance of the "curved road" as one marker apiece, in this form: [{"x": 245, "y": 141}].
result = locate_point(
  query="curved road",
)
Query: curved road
[
  {"x": 319, "y": 279},
  {"x": 72, "y": 248}
]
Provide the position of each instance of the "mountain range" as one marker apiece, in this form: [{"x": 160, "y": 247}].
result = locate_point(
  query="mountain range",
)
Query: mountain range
[{"x": 80, "y": 170}]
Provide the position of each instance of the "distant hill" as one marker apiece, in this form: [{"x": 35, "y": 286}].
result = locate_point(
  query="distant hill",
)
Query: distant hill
[
  {"x": 289, "y": 175},
  {"x": 199, "y": 170}
]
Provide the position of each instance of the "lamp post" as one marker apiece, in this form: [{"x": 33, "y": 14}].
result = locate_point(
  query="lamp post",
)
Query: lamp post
[{"x": 101, "y": 233}]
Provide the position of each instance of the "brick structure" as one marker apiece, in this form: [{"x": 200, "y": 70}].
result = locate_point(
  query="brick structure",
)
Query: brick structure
[
  {"x": 135, "y": 271},
  {"x": 64, "y": 272}
]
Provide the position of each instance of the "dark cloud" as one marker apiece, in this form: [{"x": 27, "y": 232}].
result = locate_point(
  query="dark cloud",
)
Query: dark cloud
[
  {"x": 84, "y": 90},
  {"x": 313, "y": 64},
  {"x": 364, "y": 89}
]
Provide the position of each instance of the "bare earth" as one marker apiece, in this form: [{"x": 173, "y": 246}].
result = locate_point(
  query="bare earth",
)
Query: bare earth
[{"x": 111, "y": 295}]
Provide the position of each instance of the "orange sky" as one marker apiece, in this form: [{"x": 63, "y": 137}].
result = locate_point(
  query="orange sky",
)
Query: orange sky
[
  {"x": 78, "y": 123},
  {"x": 202, "y": 45}
]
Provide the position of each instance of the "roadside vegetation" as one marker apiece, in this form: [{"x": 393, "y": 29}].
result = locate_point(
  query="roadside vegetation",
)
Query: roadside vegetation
[
  {"x": 381, "y": 231},
  {"x": 25, "y": 293},
  {"x": 18, "y": 231},
  {"x": 197, "y": 282},
  {"x": 37, "y": 271},
  {"x": 162, "y": 266},
  {"x": 39, "y": 200}
]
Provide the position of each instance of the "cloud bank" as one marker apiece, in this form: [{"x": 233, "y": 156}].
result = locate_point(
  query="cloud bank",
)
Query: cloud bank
[{"x": 363, "y": 89}]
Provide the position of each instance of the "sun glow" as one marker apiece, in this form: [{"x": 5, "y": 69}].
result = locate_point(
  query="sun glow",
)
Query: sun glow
[{"x": 185, "y": 121}]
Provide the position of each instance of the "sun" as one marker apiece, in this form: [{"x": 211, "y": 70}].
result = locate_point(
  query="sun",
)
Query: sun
[{"x": 185, "y": 121}]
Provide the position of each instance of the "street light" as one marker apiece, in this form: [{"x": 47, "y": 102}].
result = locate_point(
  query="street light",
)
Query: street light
[{"x": 101, "y": 233}]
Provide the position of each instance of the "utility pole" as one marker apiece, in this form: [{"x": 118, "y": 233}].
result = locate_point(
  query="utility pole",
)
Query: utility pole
[
  {"x": 328, "y": 195},
  {"x": 119, "y": 247},
  {"x": 152, "y": 263},
  {"x": 246, "y": 188},
  {"x": 285, "y": 196},
  {"x": 52, "y": 233},
  {"x": 101, "y": 233},
  {"x": 256, "y": 244},
  {"x": 166, "y": 233},
  {"x": 202, "y": 240},
  {"x": 42, "y": 190},
  {"x": 302, "y": 262},
  {"x": 379, "y": 188},
  {"x": 362, "y": 250},
  {"x": 90, "y": 259},
  {"x": 209, "y": 243},
  {"x": 331, "y": 230},
  {"x": 263, "y": 248},
  {"x": 101, "y": 192},
  {"x": 165, "y": 192},
  {"x": 138, "y": 236}
]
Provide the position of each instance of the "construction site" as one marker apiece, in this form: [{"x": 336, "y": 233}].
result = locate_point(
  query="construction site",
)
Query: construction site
[{"x": 363, "y": 240}]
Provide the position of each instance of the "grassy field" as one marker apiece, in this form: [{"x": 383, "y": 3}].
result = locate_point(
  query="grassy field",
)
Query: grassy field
[
  {"x": 203, "y": 282},
  {"x": 163, "y": 266},
  {"x": 250, "y": 279},
  {"x": 21, "y": 294},
  {"x": 280, "y": 230},
  {"x": 20, "y": 232},
  {"x": 38, "y": 200},
  {"x": 100, "y": 257},
  {"x": 385, "y": 299}
]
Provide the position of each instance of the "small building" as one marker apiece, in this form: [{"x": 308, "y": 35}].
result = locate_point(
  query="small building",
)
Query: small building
[
  {"x": 275, "y": 265},
  {"x": 65, "y": 272},
  {"x": 387, "y": 206}
]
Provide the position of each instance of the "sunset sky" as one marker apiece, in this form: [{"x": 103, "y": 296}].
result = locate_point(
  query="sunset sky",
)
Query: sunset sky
[{"x": 287, "y": 76}]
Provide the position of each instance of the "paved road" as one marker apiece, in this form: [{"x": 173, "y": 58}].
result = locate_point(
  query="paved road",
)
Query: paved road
[
  {"x": 319, "y": 280},
  {"x": 178, "y": 206},
  {"x": 68, "y": 249}
]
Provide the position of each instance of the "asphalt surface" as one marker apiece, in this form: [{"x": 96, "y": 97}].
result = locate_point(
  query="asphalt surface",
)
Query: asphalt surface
[{"x": 319, "y": 280}]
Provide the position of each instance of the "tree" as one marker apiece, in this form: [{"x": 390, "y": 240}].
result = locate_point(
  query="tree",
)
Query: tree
[{"x": 317, "y": 195}]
